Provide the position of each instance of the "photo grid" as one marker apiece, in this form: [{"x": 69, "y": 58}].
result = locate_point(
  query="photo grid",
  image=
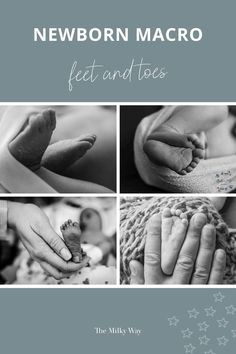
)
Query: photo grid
[{"x": 117, "y": 195}]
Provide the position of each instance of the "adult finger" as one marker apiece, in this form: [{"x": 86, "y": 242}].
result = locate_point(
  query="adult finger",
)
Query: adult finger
[
  {"x": 204, "y": 258},
  {"x": 46, "y": 232},
  {"x": 152, "y": 251},
  {"x": 137, "y": 272},
  {"x": 46, "y": 254},
  {"x": 187, "y": 256},
  {"x": 52, "y": 271},
  {"x": 218, "y": 267}
]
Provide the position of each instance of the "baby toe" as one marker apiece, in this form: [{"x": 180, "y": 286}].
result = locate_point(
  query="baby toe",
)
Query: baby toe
[
  {"x": 166, "y": 213},
  {"x": 83, "y": 146},
  {"x": 173, "y": 211},
  {"x": 196, "y": 160},
  {"x": 41, "y": 123},
  {"x": 49, "y": 118},
  {"x": 198, "y": 153},
  {"x": 53, "y": 120},
  {"x": 46, "y": 118},
  {"x": 178, "y": 212},
  {"x": 35, "y": 122},
  {"x": 90, "y": 138},
  {"x": 183, "y": 172},
  {"x": 183, "y": 216},
  {"x": 193, "y": 164},
  {"x": 76, "y": 224},
  {"x": 189, "y": 169},
  {"x": 196, "y": 141}
]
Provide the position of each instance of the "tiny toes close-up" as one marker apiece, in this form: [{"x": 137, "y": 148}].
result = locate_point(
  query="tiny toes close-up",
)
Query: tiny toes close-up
[{"x": 72, "y": 236}]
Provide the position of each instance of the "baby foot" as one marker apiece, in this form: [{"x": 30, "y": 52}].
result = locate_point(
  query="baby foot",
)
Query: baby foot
[
  {"x": 181, "y": 153},
  {"x": 59, "y": 156},
  {"x": 30, "y": 144},
  {"x": 173, "y": 231},
  {"x": 71, "y": 233}
]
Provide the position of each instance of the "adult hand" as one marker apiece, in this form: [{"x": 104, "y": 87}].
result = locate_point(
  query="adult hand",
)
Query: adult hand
[
  {"x": 41, "y": 241},
  {"x": 197, "y": 261}
]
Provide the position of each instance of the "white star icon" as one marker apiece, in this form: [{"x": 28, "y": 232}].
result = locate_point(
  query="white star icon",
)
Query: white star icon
[
  {"x": 230, "y": 310},
  {"x": 203, "y": 326},
  {"x": 173, "y": 321},
  {"x": 222, "y": 323},
  {"x": 219, "y": 297},
  {"x": 210, "y": 311},
  {"x": 189, "y": 348},
  {"x": 193, "y": 313},
  {"x": 204, "y": 340},
  {"x": 233, "y": 331},
  {"x": 187, "y": 333},
  {"x": 222, "y": 341}
]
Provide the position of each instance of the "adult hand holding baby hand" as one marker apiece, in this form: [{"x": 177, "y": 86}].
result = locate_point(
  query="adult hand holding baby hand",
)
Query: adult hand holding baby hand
[
  {"x": 41, "y": 241},
  {"x": 192, "y": 257}
]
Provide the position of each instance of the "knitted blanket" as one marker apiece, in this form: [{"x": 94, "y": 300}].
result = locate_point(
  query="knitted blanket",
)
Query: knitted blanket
[{"x": 135, "y": 213}]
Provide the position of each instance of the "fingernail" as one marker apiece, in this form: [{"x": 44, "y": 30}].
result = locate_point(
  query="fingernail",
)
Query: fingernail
[
  {"x": 220, "y": 254},
  {"x": 199, "y": 220},
  {"x": 133, "y": 269},
  {"x": 66, "y": 255}
]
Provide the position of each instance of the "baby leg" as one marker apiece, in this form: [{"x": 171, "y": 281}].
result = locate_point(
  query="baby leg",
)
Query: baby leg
[
  {"x": 194, "y": 119},
  {"x": 62, "y": 154},
  {"x": 30, "y": 144}
]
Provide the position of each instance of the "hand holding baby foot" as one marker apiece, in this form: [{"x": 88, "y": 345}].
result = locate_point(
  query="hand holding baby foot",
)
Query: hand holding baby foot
[
  {"x": 41, "y": 241},
  {"x": 197, "y": 261}
]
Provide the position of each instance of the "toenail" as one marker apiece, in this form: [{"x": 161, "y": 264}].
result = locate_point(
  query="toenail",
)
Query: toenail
[{"x": 209, "y": 227}]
